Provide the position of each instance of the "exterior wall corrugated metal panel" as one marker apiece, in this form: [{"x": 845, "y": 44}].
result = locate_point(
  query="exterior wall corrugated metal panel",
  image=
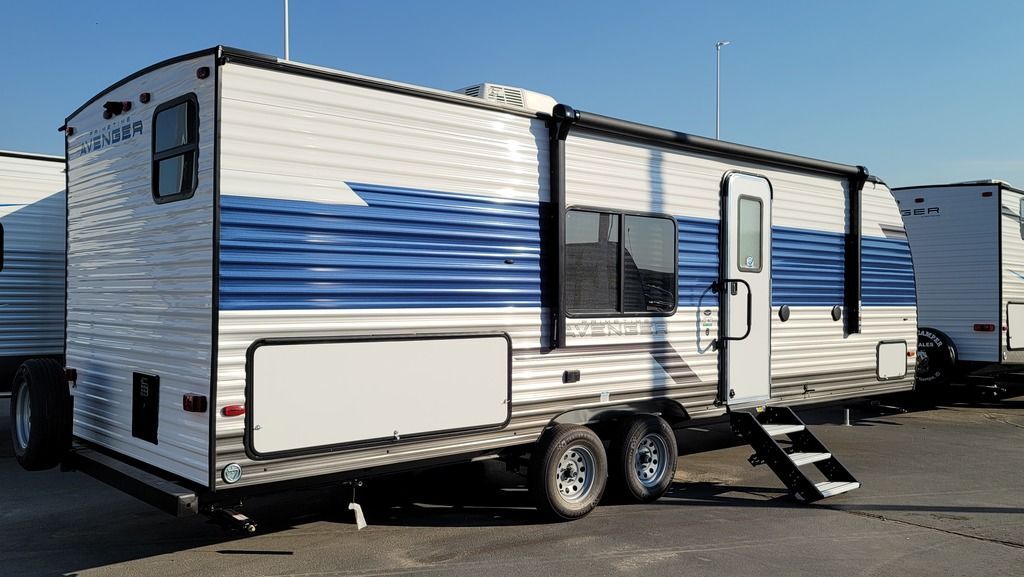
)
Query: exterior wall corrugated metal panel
[
  {"x": 348, "y": 211},
  {"x": 956, "y": 262},
  {"x": 140, "y": 277},
  {"x": 455, "y": 192},
  {"x": 32, "y": 280}
]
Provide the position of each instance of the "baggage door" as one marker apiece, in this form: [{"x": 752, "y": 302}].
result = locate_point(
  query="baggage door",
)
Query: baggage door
[{"x": 745, "y": 289}]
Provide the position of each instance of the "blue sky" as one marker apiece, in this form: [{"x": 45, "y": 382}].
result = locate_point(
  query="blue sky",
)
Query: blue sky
[{"x": 919, "y": 92}]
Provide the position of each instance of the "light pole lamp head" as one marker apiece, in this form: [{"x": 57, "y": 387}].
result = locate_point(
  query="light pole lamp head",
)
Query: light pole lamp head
[{"x": 721, "y": 43}]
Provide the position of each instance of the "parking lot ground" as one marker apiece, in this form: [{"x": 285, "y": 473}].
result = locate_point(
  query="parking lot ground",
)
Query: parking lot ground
[{"x": 943, "y": 494}]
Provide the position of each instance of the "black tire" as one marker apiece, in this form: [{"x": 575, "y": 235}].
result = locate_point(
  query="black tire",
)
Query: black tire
[
  {"x": 936, "y": 360},
  {"x": 568, "y": 472},
  {"x": 643, "y": 459},
  {"x": 40, "y": 422}
]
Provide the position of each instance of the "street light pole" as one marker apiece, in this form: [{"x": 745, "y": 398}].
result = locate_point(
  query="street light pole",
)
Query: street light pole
[
  {"x": 286, "y": 29},
  {"x": 718, "y": 83}
]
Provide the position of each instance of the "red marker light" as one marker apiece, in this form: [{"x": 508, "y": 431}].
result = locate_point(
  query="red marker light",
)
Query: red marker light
[
  {"x": 203, "y": 72},
  {"x": 919, "y": 199},
  {"x": 987, "y": 193},
  {"x": 71, "y": 375},
  {"x": 144, "y": 97},
  {"x": 233, "y": 410},
  {"x": 983, "y": 328},
  {"x": 194, "y": 403}
]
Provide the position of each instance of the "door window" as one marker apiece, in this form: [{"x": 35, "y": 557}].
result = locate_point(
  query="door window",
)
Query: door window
[{"x": 748, "y": 226}]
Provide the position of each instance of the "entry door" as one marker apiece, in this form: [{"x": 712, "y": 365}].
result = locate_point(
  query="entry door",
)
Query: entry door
[{"x": 745, "y": 290}]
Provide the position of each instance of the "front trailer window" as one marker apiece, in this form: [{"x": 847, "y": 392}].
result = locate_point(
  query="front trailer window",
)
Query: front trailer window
[{"x": 175, "y": 149}]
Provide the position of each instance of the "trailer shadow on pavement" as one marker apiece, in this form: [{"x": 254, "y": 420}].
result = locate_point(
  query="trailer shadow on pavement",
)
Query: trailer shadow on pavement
[{"x": 951, "y": 470}]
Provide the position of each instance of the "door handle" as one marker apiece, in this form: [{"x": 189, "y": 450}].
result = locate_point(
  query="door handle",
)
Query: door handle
[{"x": 733, "y": 288}]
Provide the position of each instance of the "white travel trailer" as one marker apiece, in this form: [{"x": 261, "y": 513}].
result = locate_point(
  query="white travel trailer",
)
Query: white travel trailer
[
  {"x": 968, "y": 244},
  {"x": 31, "y": 260},
  {"x": 281, "y": 273}
]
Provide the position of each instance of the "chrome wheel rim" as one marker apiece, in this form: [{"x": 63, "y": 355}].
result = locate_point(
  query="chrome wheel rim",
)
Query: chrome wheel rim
[
  {"x": 23, "y": 415},
  {"x": 574, "y": 475},
  {"x": 651, "y": 460}
]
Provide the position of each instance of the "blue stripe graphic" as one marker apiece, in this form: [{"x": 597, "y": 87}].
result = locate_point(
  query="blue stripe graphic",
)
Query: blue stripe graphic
[
  {"x": 887, "y": 273},
  {"x": 407, "y": 249},
  {"x": 698, "y": 261},
  {"x": 807, "y": 267},
  {"x": 414, "y": 248}
]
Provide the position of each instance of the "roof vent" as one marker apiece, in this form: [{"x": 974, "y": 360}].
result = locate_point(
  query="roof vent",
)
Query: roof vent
[{"x": 510, "y": 96}]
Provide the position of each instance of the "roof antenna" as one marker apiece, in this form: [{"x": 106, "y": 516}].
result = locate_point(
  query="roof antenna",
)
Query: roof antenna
[{"x": 286, "y": 30}]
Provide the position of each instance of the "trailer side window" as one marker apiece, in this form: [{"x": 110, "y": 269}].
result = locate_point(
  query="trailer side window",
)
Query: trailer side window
[
  {"x": 619, "y": 264},
  {"x": 175, "y": 149},
  {"x": 591, "y": 262}
]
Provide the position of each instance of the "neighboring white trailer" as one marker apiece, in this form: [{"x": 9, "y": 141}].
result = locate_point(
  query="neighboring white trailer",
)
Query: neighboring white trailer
[
  {"x": 31, "y": 260},
  {"x": 279, "y": 272},
  {"x": 968, "y": 245}
]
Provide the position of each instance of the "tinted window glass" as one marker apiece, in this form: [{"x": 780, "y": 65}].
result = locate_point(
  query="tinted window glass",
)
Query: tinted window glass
[
  {"x": 175, "y": 149},
  {"x": 749, "y": 234},
  {"x": 591, "y": 262},
  {"x": 172, "y": 127},
  {"x": 174, "y": 175},
  {"x": 649, "y": 267}
]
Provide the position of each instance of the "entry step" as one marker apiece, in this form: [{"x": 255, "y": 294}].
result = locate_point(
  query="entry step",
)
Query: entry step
[
  {"x": 783, "y": 429},
  {"x": 830, "y": 488},
  {"x": 801, "y": 459},
  {"x": 781, "y": 441}
]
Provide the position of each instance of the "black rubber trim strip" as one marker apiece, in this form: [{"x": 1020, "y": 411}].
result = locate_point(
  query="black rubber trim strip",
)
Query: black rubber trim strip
[
  {"x": 31, "y": 156},
  {"x": 215, "y": 285}
]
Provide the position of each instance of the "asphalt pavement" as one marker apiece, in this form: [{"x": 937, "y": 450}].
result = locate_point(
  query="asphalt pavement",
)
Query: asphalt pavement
[{"x": 943, "y": 494}]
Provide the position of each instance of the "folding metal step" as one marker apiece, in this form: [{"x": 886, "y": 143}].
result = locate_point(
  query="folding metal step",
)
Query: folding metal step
[
  {"x": 779, "y": 430},
  {"x": 830, "y": 488},
  {"x": 767, "y": 427},
  {"x": 801, "y": 459}
]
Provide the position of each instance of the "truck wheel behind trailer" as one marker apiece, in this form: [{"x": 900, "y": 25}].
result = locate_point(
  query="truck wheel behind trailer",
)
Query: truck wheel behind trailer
[
  {"x": 40, "y": 414},
  {"x": 936, "y": 359},
  {"x": 568, "y": 472},
  {"x": 643, "y": 458}
]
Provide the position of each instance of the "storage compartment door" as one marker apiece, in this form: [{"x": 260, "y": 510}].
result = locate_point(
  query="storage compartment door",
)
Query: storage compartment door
[
  {"x": 1015, "y": 326},
  {"x": 891, "y": 360},
  {"x": 318, "y": 395}
]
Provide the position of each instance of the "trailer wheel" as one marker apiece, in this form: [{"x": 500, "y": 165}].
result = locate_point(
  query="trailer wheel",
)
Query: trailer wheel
[
  {"x": 936, "y": 358},
  {"x": 40, "y": 414},
  {"x": 643, "y": 459},
  {"x": 568, "y": 472}
]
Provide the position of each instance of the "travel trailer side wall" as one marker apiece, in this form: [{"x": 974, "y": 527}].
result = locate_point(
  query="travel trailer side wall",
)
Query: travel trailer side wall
[
  {"x": 283, "y": 273},
  {"x": 32, "y": 256},
  {"x": 968, "y": 250}
]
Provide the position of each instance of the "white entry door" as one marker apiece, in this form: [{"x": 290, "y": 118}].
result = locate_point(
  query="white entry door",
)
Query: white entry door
[{"x": 745, "y": 290}]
